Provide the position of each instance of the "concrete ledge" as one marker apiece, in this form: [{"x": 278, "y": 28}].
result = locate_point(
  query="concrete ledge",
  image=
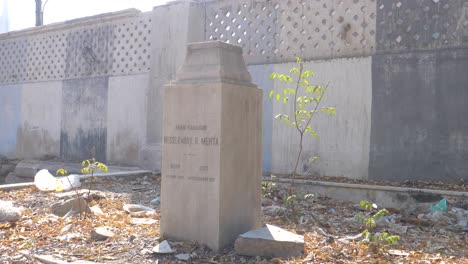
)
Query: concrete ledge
[
  {"x": 384, "y": 196},
  {"x": 17, "y": 186}
]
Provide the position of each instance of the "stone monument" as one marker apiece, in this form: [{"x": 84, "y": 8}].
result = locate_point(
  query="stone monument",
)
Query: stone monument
[{"x": 212, "y": 136}]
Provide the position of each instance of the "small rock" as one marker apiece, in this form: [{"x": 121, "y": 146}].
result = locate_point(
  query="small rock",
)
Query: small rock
[
  {"x": 439, "y": 217},
  {"x": 163, "y": 248},
  {"x": 68, "y": 237},
  {"x": 11, "y": 178},
  {"x": 330, "y": 240},
  {"x": 96, "y": 210},
  {"x": 6, "y": 168},
  {"x": 398, "y": 253},
  {"x": 396, "y": 228},
  {"x": 93, "y": 194},
  {"x": 276, "y": 261},
  {"x": 156, "y": 202},
  {"x": 66, "y": 229},
  {"x": 137, "y": 208},
  {"x": 101, "y": 233},
  {"x": 8, "y": 212},
  {"x": 309, "y": 258},
  {"x": 270, "y": 241},
  {"x": 143, "y": 221},
  {"x": 145, "y": 251},
  {"x": 273, "y": 209},
  {"x": 74, "y": 206},
  {"x": 183, "y": 257}
]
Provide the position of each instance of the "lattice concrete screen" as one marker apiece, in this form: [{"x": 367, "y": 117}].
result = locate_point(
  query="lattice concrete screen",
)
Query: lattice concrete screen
[
  {"x": 422, "y": 24},
  {"x": 280, "y": 30},
  {"x": 119, "y": 47}
]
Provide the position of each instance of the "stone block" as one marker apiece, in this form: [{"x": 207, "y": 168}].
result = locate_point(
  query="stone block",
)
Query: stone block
[
  {"x": 270, "y": 241},
  {"x": 211, "y": 164}
]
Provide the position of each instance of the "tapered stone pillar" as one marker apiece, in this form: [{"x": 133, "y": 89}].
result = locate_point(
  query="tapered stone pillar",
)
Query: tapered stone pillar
[{"x": 212, "y": 136}]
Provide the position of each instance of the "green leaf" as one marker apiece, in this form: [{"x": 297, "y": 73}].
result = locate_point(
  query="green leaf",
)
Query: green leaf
[
  {"x": 287, "y": 91},
  {"x": 365, "y": 204},
  {"x": 271, "y": 94},
  {"x": 298, "y": 60},
  {"x": 370, "y": 222},
  {"x": 366, "y": 234},
  {"x": 285, "y": 99},
  {"x": 359, "y": 218},
  {"x": 86, "y": 170},
  {"x": 61, "y": 172},
  {"x": 310, "y": 89},
  {"x": 299, "y": 99},
  {"x": 278, "y": 116},
  {"x": 313, "y": 159},
  {"x": 291, "y": 198},
  {"x": 273, "y": 76},
  {"x": 102, "y": 167},
  {"x": 380, "y": 213},
  {"x": 59, "y": 188},
  {"x": 278, "y": 97},
  {"x": 393, "y": 239},
  {"x": 294, "y": 70}
]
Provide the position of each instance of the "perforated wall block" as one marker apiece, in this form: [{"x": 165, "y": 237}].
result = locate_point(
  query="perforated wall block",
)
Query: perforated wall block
[
  {"x": 109, "y": 48},
  {"x": 421, "y": 24},
  {"x": 131, "y": 51},
  {"x": 88, "y": 52},
  {"x": 14, "y": 61},
  {"x": 278, "y": 30}
]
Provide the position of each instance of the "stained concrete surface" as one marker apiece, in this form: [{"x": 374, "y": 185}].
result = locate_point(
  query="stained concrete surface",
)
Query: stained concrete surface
[{"x": 419, "y": 116}]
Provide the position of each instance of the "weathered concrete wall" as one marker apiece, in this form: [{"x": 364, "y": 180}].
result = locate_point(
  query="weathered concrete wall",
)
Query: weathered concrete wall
[
  {"x": 126, "y": 118},
  {"x": 76, "y": 90},
  {"x": 384, "y": 59},
  {"x": 420, "y": 89},
  {"x": 343, "y": 146},
  {"x": 84, "y": 119},
  {"x": 10, "y": 117},
  {"x": 261, "y": 76},
  {"x": 41, "y": 112},
  {"x": 419, "y": 116},
  {"x": 177, "y": 24}
]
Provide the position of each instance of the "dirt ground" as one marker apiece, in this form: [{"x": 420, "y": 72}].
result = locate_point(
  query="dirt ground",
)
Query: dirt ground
[{"x": 329, "y": 228}]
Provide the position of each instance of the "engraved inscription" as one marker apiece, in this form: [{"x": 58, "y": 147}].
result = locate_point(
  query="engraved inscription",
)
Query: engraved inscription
[
  {"x": 203, "y": 179},
  {"x": 195, "y": 134},
  {"x": 207, "y": 141},
  {"x": 191, "y": 127},
  {"x": 175, "y": 177}
]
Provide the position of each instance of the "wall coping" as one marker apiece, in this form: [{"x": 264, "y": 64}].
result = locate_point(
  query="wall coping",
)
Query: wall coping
[{"x": 73, "y": 23}]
